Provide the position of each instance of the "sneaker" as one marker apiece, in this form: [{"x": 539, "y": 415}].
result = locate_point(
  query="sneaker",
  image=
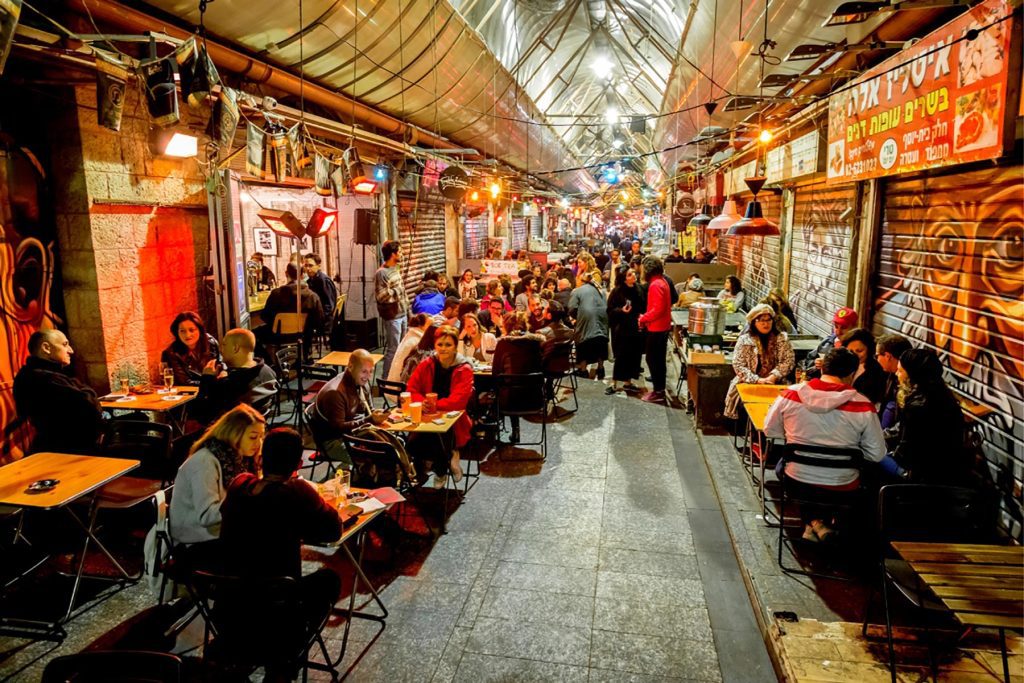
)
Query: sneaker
[
  {"x": 630, "y": 388},
  {"x": 654, "y": 397},
  {"x": 440, "y": 481},
  {"x": 611, "y": 390},
  {"x": 823, "y": 532},
  {"x": 809, "y": 534}
]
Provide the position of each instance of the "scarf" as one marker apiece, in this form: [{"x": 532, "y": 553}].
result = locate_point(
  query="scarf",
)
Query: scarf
[{"x": 230, "y": 461}]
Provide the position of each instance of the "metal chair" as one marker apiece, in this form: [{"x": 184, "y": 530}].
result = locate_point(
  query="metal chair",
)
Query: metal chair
[
  {"x": 924, "y": 514},
  {"x": 114, "y": 666},
  {"x": 557, "y": 368},
  {"x": 388, "y": 388},
  {"x": 522, "y": 395},
  {"x": 149, "y": 442},
  {"x": 825, "y": 457}
]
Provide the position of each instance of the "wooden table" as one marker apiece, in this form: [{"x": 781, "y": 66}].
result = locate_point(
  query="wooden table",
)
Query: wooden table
[
  {"x": 340, "y": 359},
  {"x": 980, "y": 584},
  {"x": 154, "y": 402},
  {"x": 425, "y": 426},
  {"x": 78, "y": 476},
  {"x": 757, "y": 399},
  {"x": 759, "y": 393},
  {"x": 757, "y": 412}
]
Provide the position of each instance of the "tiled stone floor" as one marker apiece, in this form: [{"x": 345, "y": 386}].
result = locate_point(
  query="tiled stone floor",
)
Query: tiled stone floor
[{"x": 609, "y": 562}]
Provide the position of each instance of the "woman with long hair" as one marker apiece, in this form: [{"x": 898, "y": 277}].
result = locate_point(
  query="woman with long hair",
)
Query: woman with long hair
[
  {"x": 467, "y": 285},
  {"x": 518, "y": 352},
  {"x": 228, "y": 447},
  {"x": 732, "y": 292},
  {"x": 191, "y": 349},
  {"x": 870, "y": 378},
  {"x": 423, "y": 350},
  {"x": 474, "y": 341},
  {"x": 785, "y": 318},
  {"x": 449, "y": 375},
  {"x": 625, "y": 304},
  {"x": 931, "y": 433},
  {"x": 763, "y": 355}
]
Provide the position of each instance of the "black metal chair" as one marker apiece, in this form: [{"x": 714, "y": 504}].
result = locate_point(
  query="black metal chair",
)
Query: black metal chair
[
  {"x": 258, "y": 621},
  {"x": 149, "y": 442},
  {"x": 824, "y": 457},
  {"x": 114, "y": 666},
  {"x": 923, "y": 514},
  {"x": 390, "y": 391},
  {"x": 557, "y": 368},
  {"x": 523, "y": 395}
]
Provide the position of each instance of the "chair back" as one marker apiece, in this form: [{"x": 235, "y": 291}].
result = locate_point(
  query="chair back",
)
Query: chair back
[
  {"x": 936, "y": 514},
  {"x": 339, "y": 305},
  {"x": 520, "y": 394},
  {"x": 558, "y": 362},
  {"x": 829, "y": 457},
  {"x": 148, "y": 442},
  {"x": 289, "y": 324},
  {"x": 287, "y": 358},
  {"x": 390, "y": 391},
  {"x": 370, "y": 454},
  {"x": 114, "y": 666}
]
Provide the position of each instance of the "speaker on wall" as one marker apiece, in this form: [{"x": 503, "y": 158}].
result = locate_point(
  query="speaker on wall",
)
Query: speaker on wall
[{"x": 367, "y": 226}]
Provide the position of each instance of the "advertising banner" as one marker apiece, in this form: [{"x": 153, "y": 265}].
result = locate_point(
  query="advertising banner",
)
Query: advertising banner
[{"x": 940, "y": 102}]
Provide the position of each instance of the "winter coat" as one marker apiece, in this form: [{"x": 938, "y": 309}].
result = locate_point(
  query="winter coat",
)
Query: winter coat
[
  {"x": 421, "y": 383},
  {"x": 750, "y": 366}
]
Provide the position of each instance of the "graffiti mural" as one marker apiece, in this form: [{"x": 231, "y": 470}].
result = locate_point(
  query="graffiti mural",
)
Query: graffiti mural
[
  {"x": 951, "y": 276},
  {"x": 26, "y": 276}
]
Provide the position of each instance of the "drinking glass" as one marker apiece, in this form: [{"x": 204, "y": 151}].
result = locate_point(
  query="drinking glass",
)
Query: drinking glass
[
  {"x": 168, "y": 380},
  {"x": 343, "y": 478},
  {"x": 416, "y": 412},
  {"x": 404, "y": 399},
  {"x": 125, "y": 385},
  {"x": 430, "y": 403}
]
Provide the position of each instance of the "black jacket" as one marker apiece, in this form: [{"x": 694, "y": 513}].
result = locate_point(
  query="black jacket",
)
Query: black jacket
[
  {"x": 620, "y": 321},
  {"x": 822, "y": 349},
  {"x": 872, "y": 381},
  {"x": 931, "y": 438},
  {"x": 282, "y": 300},
  {"x": 323, "y": 286},
  {"x": 188, "y": 367},
  {"x": 255, "y": 386},
  {"x": 64, "y": 412}
]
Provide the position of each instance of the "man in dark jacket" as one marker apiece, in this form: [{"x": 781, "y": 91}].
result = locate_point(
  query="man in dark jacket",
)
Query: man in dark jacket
[
  {"x": 64, "y": 412},
  {"x": 282, "y": 300},
  {"x": 243, "y": 380},
  {"x": 343, "y": 404},
  {"x": 844, "y": 320},
  {"x": 264, "y": 524},
  {"x": 322, "y": 285}
]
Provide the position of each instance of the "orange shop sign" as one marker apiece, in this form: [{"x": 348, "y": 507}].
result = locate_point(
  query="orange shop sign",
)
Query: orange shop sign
[{"x": 941, "y": 102}]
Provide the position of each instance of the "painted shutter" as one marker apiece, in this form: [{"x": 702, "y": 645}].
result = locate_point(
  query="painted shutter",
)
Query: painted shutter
[
  {"x": 819, "y": 268},
  {"x": 951, "y": 277},
  {"x": 519, "y": 240},
  {"x": 475, "y": 236},
  {"x": 421, "y": 232}
]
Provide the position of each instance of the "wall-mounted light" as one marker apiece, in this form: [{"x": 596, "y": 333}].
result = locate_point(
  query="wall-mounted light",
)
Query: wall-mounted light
[
  {"x": 815, "y": 50},
  {"x": 284, "y": 223},
  {"x": 321, "y": 222},
  {"x": 172, "y": 143},
  {"x": 360, "y": 182}
]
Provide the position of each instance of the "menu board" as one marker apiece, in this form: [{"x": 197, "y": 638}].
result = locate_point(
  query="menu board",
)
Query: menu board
[
  {"x": 940, "y": 102},
  {"x": 796, "y": 158}
]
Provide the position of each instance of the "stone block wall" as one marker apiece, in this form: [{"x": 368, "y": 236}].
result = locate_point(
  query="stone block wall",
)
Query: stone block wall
[{"x": 133, "y": 235}]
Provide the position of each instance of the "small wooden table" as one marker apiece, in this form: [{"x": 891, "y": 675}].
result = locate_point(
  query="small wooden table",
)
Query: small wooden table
[
  {"x": 78, "y": 476},
  {"x": 340, "y": 359},
  {"x": 757, "y": 399},
  {"x": 759, "y": 393},
  {"x": 979, "y": 583},
  {"x": 426, "y": 426},
  {"x": 161, "y": 404},
  {"x": 757, "y": 412}
]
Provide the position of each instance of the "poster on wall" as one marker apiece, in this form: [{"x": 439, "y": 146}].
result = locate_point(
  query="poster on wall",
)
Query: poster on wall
[
  {"x": 265, "y": 241},
  {"x": 939, "y": 103}
]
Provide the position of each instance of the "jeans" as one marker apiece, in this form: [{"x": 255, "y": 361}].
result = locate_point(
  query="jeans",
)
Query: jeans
[
  {"x": 657, "y": 347},
  {"x": 394, "y": 330}
]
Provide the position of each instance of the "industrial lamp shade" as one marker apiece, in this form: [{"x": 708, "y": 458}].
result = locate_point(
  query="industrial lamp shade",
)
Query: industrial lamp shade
[
  {"x": 727, "y": 218},
  {"x": 284, "y": 223},
  {"x": 702, "y": 219},
  {"x": 754, "y": 223},
  {"x": 856, "y": 12},
  {"x": 321, "y": 222}
]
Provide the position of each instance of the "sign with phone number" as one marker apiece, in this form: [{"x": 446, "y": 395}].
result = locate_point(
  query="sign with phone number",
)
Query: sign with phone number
[{"x": 939, "y": 103}]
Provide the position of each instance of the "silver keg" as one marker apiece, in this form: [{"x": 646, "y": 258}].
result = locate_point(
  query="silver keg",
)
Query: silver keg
[{"x": 706, "y": 317}]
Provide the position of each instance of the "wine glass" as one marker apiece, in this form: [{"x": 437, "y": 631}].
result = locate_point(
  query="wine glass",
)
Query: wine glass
[{"x": 168, "y": 375}]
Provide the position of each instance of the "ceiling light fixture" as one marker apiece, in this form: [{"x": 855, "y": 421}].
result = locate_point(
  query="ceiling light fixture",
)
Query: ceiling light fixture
[
  {"x": 765, "y": 136},
  {"x": 753, "y": 223},
  {"x": 727, "y": 218},
  {"x": 814, "y": 51},
  {"x": 602, "y": 67},
  {"x": 862, "y": 10},
  {"x": 702, "y": 219},
  {"x": 618, "y": 142},
  {"x": 611, "y": 115}
]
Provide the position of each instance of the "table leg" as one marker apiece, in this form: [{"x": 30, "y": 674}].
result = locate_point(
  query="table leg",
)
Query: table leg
[
  {"x": 351, "y": 612},
  {"x": 1006, "y": 663}
]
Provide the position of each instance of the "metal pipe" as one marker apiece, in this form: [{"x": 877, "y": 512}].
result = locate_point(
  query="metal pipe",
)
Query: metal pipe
[{"x": 227, "y": 58}]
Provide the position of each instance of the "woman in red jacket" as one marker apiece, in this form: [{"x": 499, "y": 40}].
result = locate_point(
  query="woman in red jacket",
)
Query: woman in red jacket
[
  {"x": 657, "y": 320},
  {"x": 450, "y": 376}
]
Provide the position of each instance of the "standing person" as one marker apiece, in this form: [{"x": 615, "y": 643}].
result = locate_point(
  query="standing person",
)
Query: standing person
[
  {"x": 191, "y": 349},
  {"x": 844, "y": 319},
  {"x": 589, "y": 307},
  {"x": 870, "y": 378},
  {"x": 392, "y": 302},
  {"x": 474, "y": 341},
  {"x": 888, "y": 350},
  {"x": 763, "y": 356},
  {"x": 732, "y": 293},
  {"x": 657, "y": 320},
  {"x": 64, "y": 412},
  {"x": 467, "y": 285},
  {"x": 322, "y": 285},
  {"x": 624, "y": 306},
  {"x": 450, "y": 376},
  {"x": 931, "y": 429},
  {"x": 229, "y": 447}
]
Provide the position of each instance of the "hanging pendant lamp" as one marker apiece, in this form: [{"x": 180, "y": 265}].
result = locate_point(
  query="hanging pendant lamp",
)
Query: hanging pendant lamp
[
  {"x": 753, "y": 222},
  {"x": 727, "y": 218},
  {"x": 702, "y": 219}
]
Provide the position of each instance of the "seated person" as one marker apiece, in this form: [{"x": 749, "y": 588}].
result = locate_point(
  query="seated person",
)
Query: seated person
[
  {"x": 529, "y": 285},
  {"x": 424, "y": 349},
  {"x": 449, "y": 314},
  {"x": 191, "y": 349},
  {"x": 694, "y": 292},
  {"x": 674, "y": 257},
  {"x": 538, "y": 312},
  {"x": 475, "y": 342},
  {"x": 492, "y": 319},
  {"x": 549, "y": 285},
  {"x": 564, "y": 292},
  {"x": 243, "y": 379},
  {"x": 556, "y": 335},
  {"x": 418, "y": 323},
  {"x": 283, "y": 300},
  {"x": 870, "y": 378},
  {"x": 226, "y": 449},
  {"x": 930, "y": 442},
  {"x": 266, "y": 279},
  {"x": 732, "y": 293},
  {"x": 444, "y": 286},
  {"x": 888, "y": 350},
  {"x": 430, "y": 300},
  {"x": 450, "y": 376},
  {"x": 467, "y": 285},
  {"x": 496, "y": 291},
  {"x": 827, "y": 412},
  {"x": 517, "y": 353},
  {"x": 467, "y": 306},
  {"x": 844, "y": 319},
  {"x": 763, "y": 356},
  {"x": 64, "y": 412},
  {"x": 266, "y": 521},
  {"x": 344, "y": 403}
]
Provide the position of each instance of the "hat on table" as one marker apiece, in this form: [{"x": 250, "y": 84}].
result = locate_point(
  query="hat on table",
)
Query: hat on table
[
  {"x": 845, "y": 317},
  {"x": 759, "y": 310}
]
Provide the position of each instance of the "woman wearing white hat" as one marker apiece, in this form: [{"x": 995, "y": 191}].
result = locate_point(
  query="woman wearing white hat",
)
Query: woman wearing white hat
[{"x": 763, "y": 355}]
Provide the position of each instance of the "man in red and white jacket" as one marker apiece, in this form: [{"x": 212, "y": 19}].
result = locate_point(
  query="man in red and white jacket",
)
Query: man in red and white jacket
[
  {"x": 657, "y": 320},
  {"x": 828, "y": 412}
]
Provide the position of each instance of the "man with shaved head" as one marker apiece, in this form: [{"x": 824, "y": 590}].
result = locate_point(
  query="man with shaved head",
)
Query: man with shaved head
[
  {"x": 344, "y": 403},
  {"x": 64, "y": 412},
  {"x": 242, "y": 379}
]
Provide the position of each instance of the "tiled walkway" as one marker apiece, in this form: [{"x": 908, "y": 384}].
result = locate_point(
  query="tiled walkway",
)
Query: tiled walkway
[{"x": 611, "y": 562}]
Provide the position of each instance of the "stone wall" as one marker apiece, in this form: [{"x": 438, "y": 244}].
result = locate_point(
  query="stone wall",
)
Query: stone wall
[{"x": 133, "y": 235}]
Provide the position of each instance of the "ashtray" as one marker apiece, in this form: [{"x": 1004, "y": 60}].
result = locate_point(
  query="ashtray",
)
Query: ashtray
[{"x": 42, "y": 485}]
